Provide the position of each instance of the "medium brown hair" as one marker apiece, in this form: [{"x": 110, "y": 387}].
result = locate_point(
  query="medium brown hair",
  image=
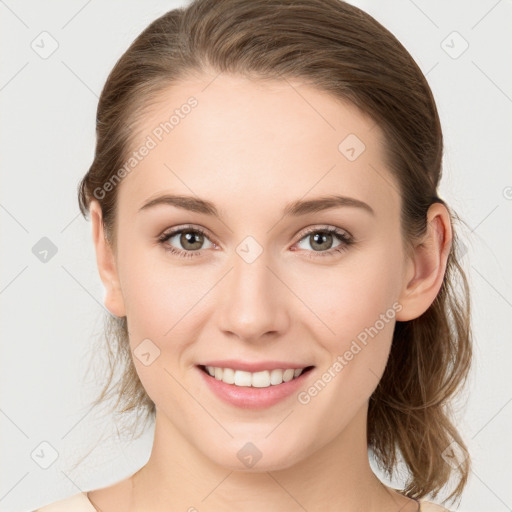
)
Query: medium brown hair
[{"x": 342, "y": 50}]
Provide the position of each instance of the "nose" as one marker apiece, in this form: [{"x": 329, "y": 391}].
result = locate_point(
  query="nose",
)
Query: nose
[{"x": 254, "y": 303}]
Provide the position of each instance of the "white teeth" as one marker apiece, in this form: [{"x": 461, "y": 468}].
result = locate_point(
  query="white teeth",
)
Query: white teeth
[
  {"x": 288, "y": 375},
  {"x": 276, "y": 377},
  {"x": 262, "y": 379},
  {"x": 228, "y": 376},
  {"x": 241, "y": 378}
]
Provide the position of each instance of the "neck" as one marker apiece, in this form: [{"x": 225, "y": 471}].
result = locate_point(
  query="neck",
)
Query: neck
[{"x": 334, "y": 476}]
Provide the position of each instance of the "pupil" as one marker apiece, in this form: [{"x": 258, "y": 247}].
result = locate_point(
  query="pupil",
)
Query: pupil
[
  {"x": 323, "y": 237},
  {"x": 190, "y": 238}
]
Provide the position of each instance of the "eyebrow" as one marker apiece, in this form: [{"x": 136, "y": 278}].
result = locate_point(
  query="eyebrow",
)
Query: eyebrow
[{"x": 295, "y": 208}]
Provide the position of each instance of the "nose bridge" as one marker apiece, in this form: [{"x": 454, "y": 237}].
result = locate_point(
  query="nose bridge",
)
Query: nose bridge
[{"x": 253, "y": 303}]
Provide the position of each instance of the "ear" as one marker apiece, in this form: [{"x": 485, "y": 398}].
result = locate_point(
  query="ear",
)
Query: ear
[
  {"x": 425, "y": 269},
  {"x": 106, "y": 262}
]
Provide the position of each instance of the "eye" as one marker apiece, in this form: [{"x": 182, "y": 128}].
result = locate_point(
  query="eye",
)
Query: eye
[
  {"x": 321, "y": 241},
  {"x": 190, "y": 239}
]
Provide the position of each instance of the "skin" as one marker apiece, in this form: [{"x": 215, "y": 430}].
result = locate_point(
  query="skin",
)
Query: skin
[{"x": 251, "y": 143}]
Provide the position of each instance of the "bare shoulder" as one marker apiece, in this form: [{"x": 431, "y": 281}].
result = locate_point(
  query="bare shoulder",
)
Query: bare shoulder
[
  {"x": 112, "y": 497},
  {"x": 75, "y": 503},
  {"x": 426, "y": 506}
]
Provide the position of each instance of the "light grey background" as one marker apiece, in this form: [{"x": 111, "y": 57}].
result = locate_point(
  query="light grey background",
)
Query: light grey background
[{"x": 51, "y": 312}]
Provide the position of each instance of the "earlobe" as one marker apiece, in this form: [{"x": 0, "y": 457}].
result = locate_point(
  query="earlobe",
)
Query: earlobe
[
  {"x": 427, "y": 266},
  {"x": 106, "y": 263}
]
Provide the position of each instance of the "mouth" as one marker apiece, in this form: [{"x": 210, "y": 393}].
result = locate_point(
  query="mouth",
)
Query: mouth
[{"x": 260, "y": 379}]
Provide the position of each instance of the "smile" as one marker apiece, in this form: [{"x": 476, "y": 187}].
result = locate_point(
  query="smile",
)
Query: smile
[{"x": 262, "y": 379}]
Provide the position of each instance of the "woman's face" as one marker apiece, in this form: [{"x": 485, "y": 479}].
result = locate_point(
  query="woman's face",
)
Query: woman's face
[{"x": 265, "y": 283}]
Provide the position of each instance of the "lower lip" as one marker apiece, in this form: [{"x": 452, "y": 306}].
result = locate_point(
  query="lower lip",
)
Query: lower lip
[{"x": 246, "y": 397}]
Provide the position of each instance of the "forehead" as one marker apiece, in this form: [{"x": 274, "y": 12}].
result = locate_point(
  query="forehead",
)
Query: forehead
[{"x": 233, "y": 140}]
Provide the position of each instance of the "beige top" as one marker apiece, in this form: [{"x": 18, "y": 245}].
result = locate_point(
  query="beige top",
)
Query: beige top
[{"x": 80, "y": 503}]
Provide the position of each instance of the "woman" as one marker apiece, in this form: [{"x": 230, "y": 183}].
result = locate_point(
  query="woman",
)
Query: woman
[{"x": 279, "y": 266}]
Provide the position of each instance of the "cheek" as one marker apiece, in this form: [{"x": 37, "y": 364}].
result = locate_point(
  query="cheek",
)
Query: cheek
[
  {"x": 164, "y": 304},
  {"x": 360, "y": 307},
  {"x": 353, "y": 296},
  {"x": 157, "y": 291},
  {"x": 341, "y": 300},
  {"x": 160, "y": 299}
]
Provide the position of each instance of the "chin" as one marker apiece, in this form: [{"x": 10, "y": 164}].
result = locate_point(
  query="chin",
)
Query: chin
[{"x": 254, "y": 456}]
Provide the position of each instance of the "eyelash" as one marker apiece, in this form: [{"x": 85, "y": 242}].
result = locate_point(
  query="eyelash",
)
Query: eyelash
[{"x": 345, "y": 239}]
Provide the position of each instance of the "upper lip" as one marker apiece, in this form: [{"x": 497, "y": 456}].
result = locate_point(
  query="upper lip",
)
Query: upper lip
[{"x": 253, "y": 366}]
